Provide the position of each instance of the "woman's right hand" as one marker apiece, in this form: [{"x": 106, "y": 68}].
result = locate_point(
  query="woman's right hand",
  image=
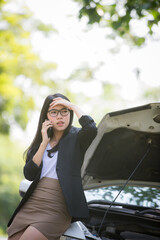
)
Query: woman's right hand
[
  {"x": 37, "y": 158},
  {"x": 46, "y": 124}
]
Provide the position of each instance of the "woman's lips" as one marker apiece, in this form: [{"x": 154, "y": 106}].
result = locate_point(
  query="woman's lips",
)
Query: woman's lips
[{"x": 60, "y": 124}]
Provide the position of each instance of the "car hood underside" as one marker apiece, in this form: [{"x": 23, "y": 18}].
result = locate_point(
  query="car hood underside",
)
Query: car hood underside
[{"x": 125, "y": 140}]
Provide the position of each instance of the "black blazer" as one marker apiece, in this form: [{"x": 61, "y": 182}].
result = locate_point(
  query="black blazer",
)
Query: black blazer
[{"x": 70, "y": 158}]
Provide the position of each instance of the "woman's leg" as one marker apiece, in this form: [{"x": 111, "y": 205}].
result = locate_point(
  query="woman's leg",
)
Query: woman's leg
[
  {"x": 16, "y": 236},
  {"x": 31, "y": 233}
]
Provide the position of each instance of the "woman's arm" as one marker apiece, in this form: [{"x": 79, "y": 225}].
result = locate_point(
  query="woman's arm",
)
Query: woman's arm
[
  {"x": 89, "y": 129},
  {"x": 60, "y": 101},
  {"x": 34, "y": 160},
  {"x": 30, "y": 169},
  {"x": 37, "y": 158}
]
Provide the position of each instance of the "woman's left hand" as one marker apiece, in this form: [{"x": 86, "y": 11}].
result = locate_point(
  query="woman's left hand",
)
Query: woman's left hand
[
  {"x": 67, "y": 104},
  {"x": 61, "y": 101}
]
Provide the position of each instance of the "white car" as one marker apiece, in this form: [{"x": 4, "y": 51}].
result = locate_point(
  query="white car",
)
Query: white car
[{"x": 122, "y": 163}]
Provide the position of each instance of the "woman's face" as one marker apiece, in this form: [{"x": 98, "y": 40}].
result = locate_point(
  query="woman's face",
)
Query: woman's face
[{"x": 60, "y": 119}]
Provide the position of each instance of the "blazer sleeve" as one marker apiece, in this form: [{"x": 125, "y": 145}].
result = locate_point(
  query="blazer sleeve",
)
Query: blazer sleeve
[
  {"x": 88, "y": 131},
  {"x": 31, "y": 169}
]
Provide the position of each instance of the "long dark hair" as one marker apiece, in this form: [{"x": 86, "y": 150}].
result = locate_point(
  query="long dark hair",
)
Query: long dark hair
[{"x": 43, "y": 116}]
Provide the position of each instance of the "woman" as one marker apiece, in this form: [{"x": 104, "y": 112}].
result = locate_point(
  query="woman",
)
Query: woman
[{"x": 53, "y": 163}]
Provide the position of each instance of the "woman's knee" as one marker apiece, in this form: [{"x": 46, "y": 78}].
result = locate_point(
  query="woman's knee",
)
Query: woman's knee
[
  {"x": 33, "y": 234},
  {"x": 16, "y": 236}
]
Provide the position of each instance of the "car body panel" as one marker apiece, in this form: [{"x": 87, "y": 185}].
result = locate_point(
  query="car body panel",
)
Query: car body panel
[{"x": 122, "y": 141}]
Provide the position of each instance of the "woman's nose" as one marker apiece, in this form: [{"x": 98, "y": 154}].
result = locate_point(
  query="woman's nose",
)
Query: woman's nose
[{"x": 59, "y": 115}]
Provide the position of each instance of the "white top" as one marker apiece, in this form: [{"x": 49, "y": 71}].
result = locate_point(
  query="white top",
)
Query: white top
[{"x": 49, "y": 164}]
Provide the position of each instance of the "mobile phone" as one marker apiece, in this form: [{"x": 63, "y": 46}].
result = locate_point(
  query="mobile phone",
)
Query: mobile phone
[{"x": 50, "y": 132}]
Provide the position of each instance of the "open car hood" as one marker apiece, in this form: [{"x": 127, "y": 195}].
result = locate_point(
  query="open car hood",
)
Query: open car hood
[{"x": 124, "y": 139}]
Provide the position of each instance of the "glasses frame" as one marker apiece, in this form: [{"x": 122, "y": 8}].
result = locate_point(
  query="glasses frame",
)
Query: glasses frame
[{"x": 59, "y": 111}]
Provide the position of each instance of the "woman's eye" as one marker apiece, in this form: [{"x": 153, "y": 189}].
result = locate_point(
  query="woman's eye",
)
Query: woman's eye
[
  {"x": 64, "y": 111},
  {"x": 53, "y": 112}
]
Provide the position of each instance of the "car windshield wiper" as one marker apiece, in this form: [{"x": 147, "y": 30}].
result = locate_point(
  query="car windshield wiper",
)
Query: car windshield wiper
[
  {"x": 152, "y": 213},
  {"x": 141, "y": 160}
]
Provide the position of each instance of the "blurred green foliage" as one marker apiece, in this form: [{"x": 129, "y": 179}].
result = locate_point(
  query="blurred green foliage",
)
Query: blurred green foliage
[
  {"x": 152, "y": 93},
  {"x": 11, "y": 173},
  {"x": 21, "y": 69},
  {"x": 118, "y": 14}
]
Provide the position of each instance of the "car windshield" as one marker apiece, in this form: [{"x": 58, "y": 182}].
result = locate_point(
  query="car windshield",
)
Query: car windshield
[{"x": 140, "y": 196}]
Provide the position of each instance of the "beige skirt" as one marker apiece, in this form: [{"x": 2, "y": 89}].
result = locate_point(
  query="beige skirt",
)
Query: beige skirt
[{"x": 45, "y": 210}]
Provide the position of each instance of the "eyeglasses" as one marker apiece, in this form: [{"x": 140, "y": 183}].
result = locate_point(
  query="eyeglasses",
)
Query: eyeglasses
[{"x": 54, "y": 112}]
